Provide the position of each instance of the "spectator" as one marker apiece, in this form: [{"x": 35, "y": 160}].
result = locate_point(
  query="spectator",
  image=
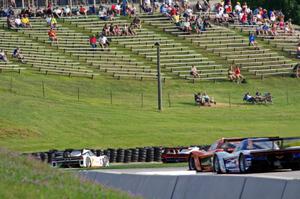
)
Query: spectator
[
  {"x": 237, "y": 73},
  {"x": 296, "y": 70},
  {"x": 103, "y": 41},
  {"x": 137, "y": 23},
  {"x": 10, "y": 22},
  {"x": 252, "y": 41},
  {"x": 17, "y": 54},
  {"x": 231, "y": 74},
  {"x": 131, "y": 30},
  {"x": 18, "y": 22},
  {"x": 298, "y": 51},
  {"x": 117, "y": 30},
  {"x": 68, "y": 12},
  {"x": 52, "y": 35},
  {"x": 93, "y": 41},
  {"x": 53, "y": 22},
  {"x": 83, "y": 11},
  {"x": 3, "y": 56},
  {"x": 194, "y": 72},
  {"x": 25, "y": 22},
  {"x": 125, "y": 30}
]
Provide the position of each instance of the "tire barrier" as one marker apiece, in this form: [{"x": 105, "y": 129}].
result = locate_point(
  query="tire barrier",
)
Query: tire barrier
[
  {"x": 149, "y": 154},
  {"x": 113, "y": 155},
  {"x": 134, "y": 155},
  {"x": 127, "y": 155},
  {"x": 142, "y": 155},
  {"x": 120, "y": 155},
  {"x": 200, "y": 187}
]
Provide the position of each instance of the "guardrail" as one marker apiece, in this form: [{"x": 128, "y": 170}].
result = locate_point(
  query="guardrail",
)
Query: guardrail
[{"x": 200, "y": 187}]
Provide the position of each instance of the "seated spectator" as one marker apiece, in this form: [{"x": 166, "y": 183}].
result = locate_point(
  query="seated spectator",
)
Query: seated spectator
[
  {"x": 298, "y": 51},
  {"x": 39, "y": 12},
  {"x": 237, "y": 73},
  {"x": 111, "y": 29},
  {"x": 231, "y": 74},
  {"x": 3, "y": 56},
  {"x": 10, "y": 22},
  {"x": 203, "y": 99},
  {"x": 52, "y": 35},
  {"x": 137, "y": 23},
  {"x": 252, "y": 41},
  {"x": 25, "y": 22},
  {"x": 125, "y": 30},
  {"x": 105, "y": 29},
  {"x": 48, "y": 20},
  {"x": 117, "y": 30},
  {"x": 249, "y": 98},
  {"x": 53, "y": 22},
  {"x": 93, "y": 41},
  {"x": 67, "y": 11},
  {"x": 103, "y": 41},
  {"x": 18, "y": 22},
  {"x": 131, "y": 30},
  {"x": 296, "y": 71},
  {"x": 58, "y": 12},
  {"x": 194, "y": 72},
  {"x": 17, "y": 54},
  {"x": 83, "y": 11}
]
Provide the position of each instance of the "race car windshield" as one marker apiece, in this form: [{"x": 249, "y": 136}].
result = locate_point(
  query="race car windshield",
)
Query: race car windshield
[{"x": 259, "y": 145}]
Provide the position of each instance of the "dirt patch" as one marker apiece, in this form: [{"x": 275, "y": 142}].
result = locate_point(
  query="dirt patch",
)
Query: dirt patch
[
  {"x": 220, "y": 105},
  {"x": 17, "y": 133}
]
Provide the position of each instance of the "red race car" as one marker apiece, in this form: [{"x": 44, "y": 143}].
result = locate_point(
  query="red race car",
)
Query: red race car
[
  {"x": 201, "y": 160},
  {"x": 177, "y": 154}
]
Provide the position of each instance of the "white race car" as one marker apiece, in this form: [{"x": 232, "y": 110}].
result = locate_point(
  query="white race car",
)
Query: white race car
[{"x": 80, "y": 158}]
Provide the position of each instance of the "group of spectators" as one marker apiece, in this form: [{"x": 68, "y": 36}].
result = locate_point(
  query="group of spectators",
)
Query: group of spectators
[
  {"x": 15, "y": 54},
  {"x": 234, "y": 74},
  {"x": 202, "y": 99}
]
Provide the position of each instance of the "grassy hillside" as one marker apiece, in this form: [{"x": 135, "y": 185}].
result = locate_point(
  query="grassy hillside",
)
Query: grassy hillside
[
  {"x": 111, "y": 113},
  {"x": 24, "y": 178}
]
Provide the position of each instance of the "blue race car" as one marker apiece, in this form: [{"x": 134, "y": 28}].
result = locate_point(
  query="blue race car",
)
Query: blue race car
[{"x": 259, "y": 154}]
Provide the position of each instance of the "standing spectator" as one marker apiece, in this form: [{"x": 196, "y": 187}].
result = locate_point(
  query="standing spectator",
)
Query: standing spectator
[
  {"x": 17, "y": 54},
  {"x": 3, "y": 56},
  {"x": 52, "y": 35},
  {"x": 252, "y": 41},
  {"x": 53, "y": 22},
  {"x": 93, "y": 41},
  {"x": 194, "y": 72}
]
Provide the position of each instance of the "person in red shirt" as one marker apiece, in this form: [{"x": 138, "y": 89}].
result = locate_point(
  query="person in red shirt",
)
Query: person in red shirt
[
  {"x": 52, "y": 35},
  {"x": 238, "y": 74},
  {"x": 83, "y": 10},
  {"x": 93, "y": 41}
]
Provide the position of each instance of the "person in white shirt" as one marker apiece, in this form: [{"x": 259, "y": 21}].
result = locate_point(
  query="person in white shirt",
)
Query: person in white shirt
[
  {"x": 238, "y": 8},
  {"x": 68, "y": 11},
  {"x": 103, "y": 41},
  {"x": 3, "y": 56},
  {"x": 18, "y": 22}
]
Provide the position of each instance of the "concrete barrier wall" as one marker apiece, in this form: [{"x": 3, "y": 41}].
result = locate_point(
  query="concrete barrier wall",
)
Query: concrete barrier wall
[{"x": 200, "y": 187}]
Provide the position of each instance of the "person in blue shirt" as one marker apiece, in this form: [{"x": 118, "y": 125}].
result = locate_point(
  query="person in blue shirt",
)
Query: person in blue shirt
[{"x": 252, "y": 41}]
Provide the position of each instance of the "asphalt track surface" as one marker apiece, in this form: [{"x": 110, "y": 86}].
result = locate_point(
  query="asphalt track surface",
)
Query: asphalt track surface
[{"x": 179, "y": 171}]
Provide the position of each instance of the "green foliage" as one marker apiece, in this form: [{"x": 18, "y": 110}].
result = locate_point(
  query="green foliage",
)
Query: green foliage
[{"x": 24, "y": 178}]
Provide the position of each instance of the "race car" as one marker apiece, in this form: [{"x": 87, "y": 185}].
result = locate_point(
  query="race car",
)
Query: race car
[
  {"x": 259, "y": 154},
  {"x": 201, "y": 160},
  {"x": 80, "y": 158},
  {"x": 177, "y": 154}
]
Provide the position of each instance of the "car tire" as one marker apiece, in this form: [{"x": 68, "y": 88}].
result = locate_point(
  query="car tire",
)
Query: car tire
[
  {"x": 216, "y": 165},
  {"x": 295, "y": 166},
  {"x": 242, "y": 164},
  {"x": 191, "y": 164},
  {"x": 88, "y": 163}
]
